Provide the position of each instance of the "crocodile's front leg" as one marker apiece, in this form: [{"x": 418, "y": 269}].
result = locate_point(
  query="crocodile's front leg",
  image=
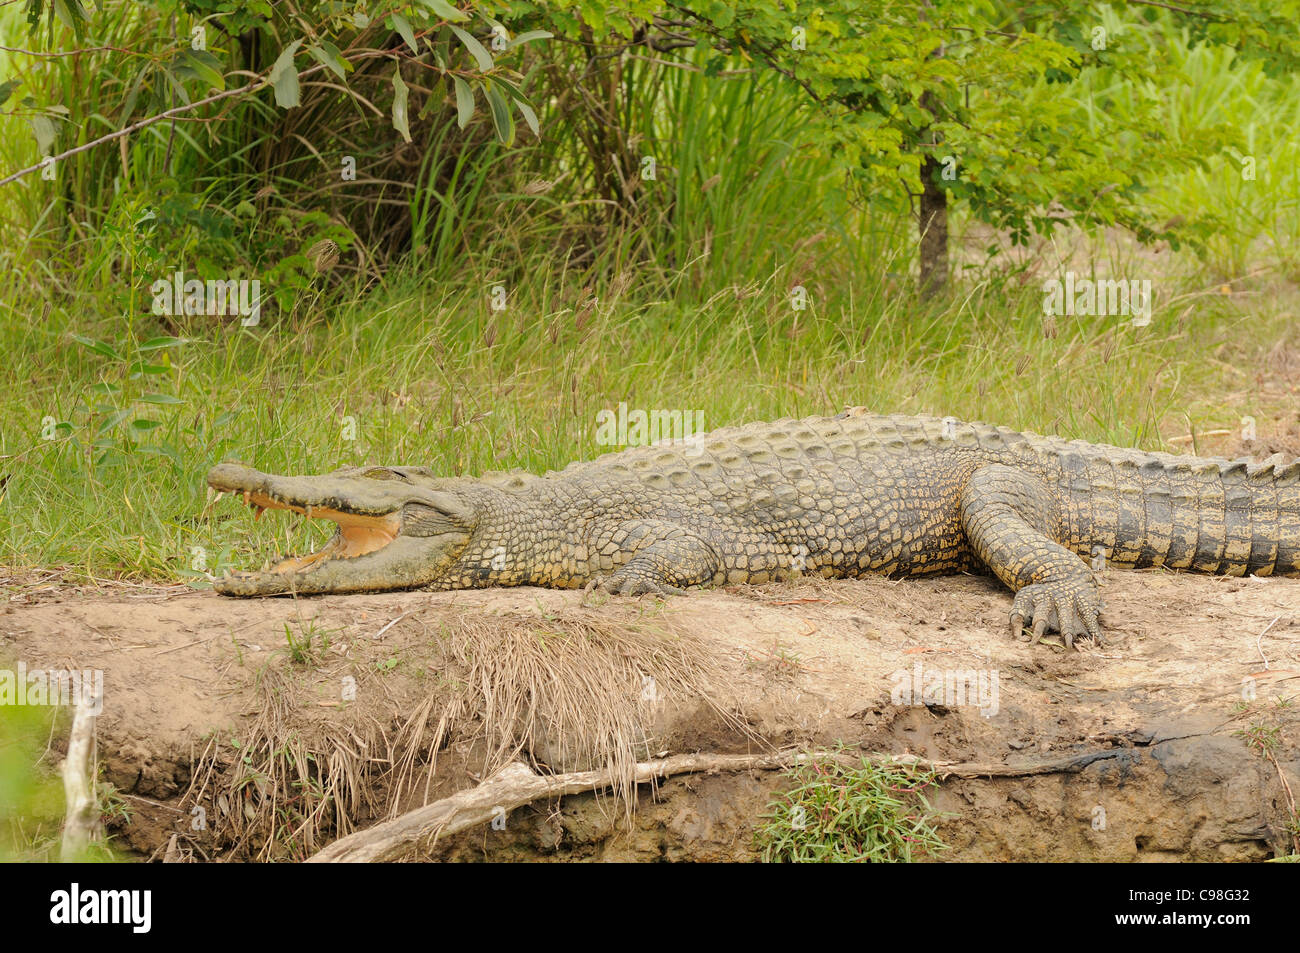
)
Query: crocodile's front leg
[
  {"x": 666, "y": 559},
  {"x": 1012, "y": 523}
]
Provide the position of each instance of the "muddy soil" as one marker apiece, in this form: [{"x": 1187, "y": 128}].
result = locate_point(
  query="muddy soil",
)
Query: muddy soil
[{"x": 1196, "y": 667}]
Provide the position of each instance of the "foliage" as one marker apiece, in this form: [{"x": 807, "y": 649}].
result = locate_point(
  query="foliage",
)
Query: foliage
[
  {"x": 989, "y": 92},
  {"x": 31, "y": 799},
  {"x": 269, "y": 110},
  {"x": 836, "y": 812}
]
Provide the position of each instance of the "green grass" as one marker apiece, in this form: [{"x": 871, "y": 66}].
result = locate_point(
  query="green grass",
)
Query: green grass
[{"x": 835, "y": 813}]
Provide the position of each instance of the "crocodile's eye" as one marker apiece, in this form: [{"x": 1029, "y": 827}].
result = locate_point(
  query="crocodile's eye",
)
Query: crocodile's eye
[{"x": 384, "y": 473}]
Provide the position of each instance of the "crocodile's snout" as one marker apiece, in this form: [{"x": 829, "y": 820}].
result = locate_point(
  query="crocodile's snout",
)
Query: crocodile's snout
[{"x": 371, "y": 508}]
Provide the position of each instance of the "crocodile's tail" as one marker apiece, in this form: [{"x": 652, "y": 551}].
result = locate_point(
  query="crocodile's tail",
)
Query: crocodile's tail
[{"x": 1229, "y": 518}]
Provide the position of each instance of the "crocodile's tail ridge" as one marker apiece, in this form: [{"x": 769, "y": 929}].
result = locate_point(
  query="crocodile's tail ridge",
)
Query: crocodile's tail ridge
[{"x": 1226, "y": 517}]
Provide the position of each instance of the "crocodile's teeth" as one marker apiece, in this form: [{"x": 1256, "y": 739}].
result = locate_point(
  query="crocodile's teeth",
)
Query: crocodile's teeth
[
  {"x": 308, "y": 511},
  {"x": 247, "y": 494},
  {"x": 217, "y": 499},
  {"x": 258, "y": 515}
]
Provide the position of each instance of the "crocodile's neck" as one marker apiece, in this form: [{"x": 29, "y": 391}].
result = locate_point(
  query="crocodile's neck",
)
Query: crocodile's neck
[{"x": 528, "y": 534}]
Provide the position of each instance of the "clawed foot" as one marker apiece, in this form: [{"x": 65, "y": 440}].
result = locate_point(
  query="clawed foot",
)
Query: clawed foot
[
  {"x": 625, "y": 583},
  {"x": 1066, "y": 607}
]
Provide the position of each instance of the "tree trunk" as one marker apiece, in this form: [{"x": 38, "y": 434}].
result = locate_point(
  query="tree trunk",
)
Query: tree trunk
[{"x": 934, "y": 228}]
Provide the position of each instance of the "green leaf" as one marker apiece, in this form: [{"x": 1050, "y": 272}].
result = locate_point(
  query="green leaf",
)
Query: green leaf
[
  {"x": 481, "y": 56},
  {"x": 464, "y": 101},
  {"x": 176, "y": 80},
  {"x": 7, "y": 89},
  {"x": 502, "y": 118},
  {"x": 525, "y": 108},
  {"x": 401, "y": 117},
  {"x": 112, "y": 421},
  {"x": 140, "y": 369},
  {"x": 206, "y": 67},
  {"x": 154, "y": 344},
  {"x": 133, "y": 93},
  {"x": 143, "y": 425},
  {"x": 530, "y": 35},
  {"x": 99, "y": 347},
  {"x": 721, "y": 15},
  {"x": 197, "y": 580},
  {"x": 403, "y": 26},
  {"x": 530, "y": 117},
  {"x": 45, "y": 132},
  {"x": 284, "y": 77},
  {"x": 445, "y": 10},
  {"x": 154, "y": 398},
  {"x": 327, "y": 54},
  {"x": 164, "y": 450},
  {"x": 71, "y": 14}
]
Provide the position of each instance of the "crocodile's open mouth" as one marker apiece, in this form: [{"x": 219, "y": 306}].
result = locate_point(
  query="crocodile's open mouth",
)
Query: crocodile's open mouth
[
  {"x": 396, "y": 529},
  {"x": 358, "y": 534}
]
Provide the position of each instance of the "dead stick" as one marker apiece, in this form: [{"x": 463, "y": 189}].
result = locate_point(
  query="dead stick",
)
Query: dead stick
[
  {"x": 516, "y": 785},
  {"x": 79, "y": 783}
]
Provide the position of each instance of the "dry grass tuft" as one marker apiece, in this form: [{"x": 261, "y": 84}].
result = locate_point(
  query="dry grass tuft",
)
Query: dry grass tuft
[
  {"x": 578, "y": 690},
  {"x": 290, "y": 779},
  {"x": 574, "y": 689}
]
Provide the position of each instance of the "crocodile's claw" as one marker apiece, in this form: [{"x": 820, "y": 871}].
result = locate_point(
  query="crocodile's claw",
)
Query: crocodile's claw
[
  {"x": 628, "y": 582},
  {"x": 1071, "y": 608}
]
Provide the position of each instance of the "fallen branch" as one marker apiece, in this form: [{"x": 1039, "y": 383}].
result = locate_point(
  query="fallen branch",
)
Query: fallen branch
[
  {"x": 516, "y": 785},
  {"x": 78, "y": 772}
]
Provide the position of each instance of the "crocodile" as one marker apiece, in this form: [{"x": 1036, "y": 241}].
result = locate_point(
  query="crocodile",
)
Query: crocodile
[{"x": 841, "y": 496}]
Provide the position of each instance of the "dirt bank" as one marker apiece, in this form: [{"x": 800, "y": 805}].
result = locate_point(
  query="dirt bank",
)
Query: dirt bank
[{"x": 220, "y": 732}]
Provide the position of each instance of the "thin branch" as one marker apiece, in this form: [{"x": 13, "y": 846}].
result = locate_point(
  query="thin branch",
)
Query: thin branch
[
  {"x": 516, "y": 785},
  {"x": 149, "y": 121},
  {"x": 87, "y": 49},
  {"x": 1214, "y": 17}
]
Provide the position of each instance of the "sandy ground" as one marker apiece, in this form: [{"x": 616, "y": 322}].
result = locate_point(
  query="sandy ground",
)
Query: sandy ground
[{"x": 1193, "y": 665}]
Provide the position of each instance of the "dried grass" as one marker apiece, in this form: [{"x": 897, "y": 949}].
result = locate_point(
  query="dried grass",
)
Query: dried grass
[{"x": 575, "y": 689}]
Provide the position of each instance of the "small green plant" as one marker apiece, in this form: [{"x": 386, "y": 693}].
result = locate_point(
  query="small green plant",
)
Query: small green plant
[
  {"x": 114, "y": 402},
  {"x": 1260, "y": 737},
  {"x": 199, "y": 576},
  {"x": 309, "y": 644},
  {"x": 840, "y": 813},
  {"x": 112, "y": 805}
]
